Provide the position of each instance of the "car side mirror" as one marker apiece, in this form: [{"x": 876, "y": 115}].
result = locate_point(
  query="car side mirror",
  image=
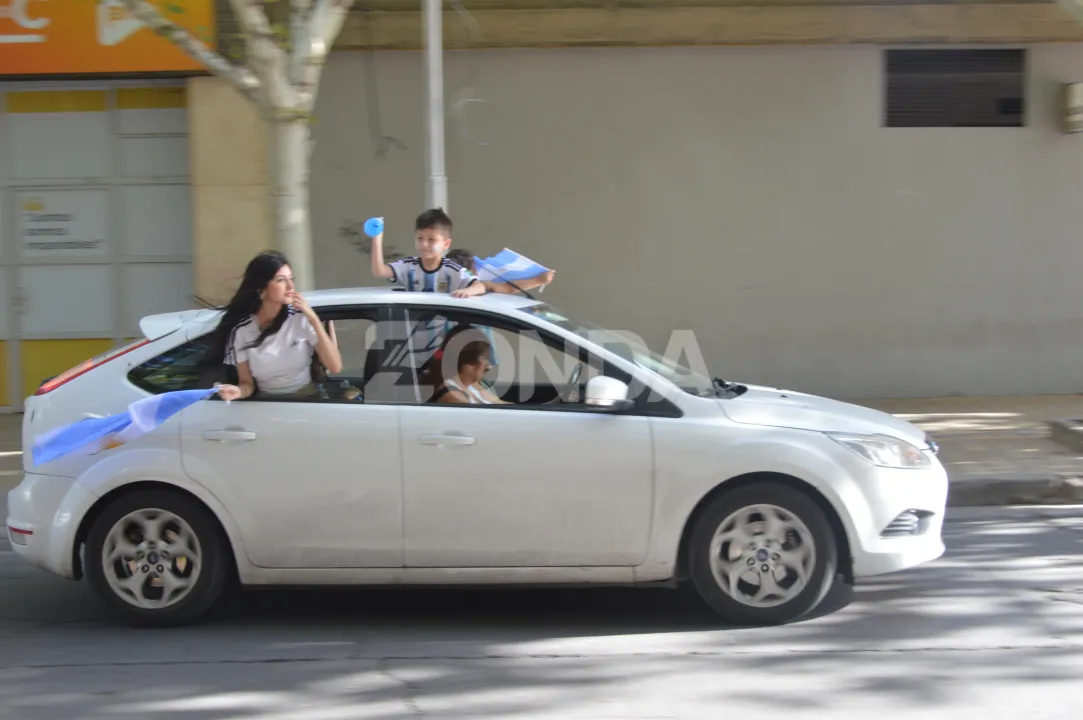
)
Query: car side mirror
[{"x": 609, "y": 394}]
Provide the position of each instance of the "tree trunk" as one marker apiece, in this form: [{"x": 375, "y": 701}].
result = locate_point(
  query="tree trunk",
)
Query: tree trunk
[{"x": 288, "y": 190}]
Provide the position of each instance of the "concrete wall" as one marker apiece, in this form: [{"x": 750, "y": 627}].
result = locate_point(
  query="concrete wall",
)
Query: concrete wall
[
  {"x": 749, "y": 194},
  {"x": 231, "y": 217}
]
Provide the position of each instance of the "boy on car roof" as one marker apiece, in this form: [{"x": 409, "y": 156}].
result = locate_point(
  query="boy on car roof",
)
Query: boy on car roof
[{"x": 429, "y": 270}]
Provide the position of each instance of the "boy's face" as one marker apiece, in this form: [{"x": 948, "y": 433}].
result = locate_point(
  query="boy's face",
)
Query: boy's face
[{"x": 432, "y": 243}]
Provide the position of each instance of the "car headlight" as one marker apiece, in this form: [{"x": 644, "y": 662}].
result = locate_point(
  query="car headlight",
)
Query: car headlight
[{"x": 883, "y": 450}]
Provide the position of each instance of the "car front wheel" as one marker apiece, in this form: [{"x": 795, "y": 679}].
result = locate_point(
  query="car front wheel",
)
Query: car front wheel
[
  {"x": 763, "y": 554},
  {"x": 156, "y": 558}
]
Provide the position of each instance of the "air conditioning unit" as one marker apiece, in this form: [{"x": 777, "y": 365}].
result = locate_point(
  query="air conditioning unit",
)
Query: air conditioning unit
[{"x": 1073, "y": 107}]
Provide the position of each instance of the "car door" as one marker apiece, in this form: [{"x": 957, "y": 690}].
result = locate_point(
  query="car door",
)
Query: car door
[
  {"x": 312, "y": 484},
  {"x": 521, "y": 485}
]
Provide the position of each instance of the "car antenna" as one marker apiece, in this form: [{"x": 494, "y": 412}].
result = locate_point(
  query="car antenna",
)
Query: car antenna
[{"x": 509, "y": 282}]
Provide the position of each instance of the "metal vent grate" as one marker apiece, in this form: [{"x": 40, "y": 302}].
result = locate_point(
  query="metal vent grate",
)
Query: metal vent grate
[
  {"x": 907, "y": 524},
  {"x": 955, "y": 88}
]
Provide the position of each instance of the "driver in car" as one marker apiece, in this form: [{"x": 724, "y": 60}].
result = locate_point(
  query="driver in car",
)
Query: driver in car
[
  {"x": 472, "y": 386},
  {"x": 471, "y": 362}
]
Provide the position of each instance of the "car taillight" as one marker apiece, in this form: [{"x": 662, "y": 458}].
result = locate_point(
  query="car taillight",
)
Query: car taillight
[{"x": 87, "y": 365}]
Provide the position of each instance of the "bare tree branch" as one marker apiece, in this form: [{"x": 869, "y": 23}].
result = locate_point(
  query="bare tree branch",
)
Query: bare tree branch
[
  {"x": 1074, "y": 7},
  {"x": 327, "y": 20},
  {"x": 259, "y": 38},
  {"x": 241, "y": 78},
  {"x": 300, "y": 37},
  {"x": 310, "y": 56},
  {"x": 266, "y": 57},
  {"x": 253, "y": 19}
]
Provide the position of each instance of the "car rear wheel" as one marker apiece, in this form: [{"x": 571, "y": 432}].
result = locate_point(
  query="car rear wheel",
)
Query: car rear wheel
[
  {"x": 156, "y": 558},
  {"x": 763, "y": 554}
]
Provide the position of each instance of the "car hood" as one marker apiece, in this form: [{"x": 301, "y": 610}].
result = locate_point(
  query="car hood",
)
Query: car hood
[{"x": 783, "y": 408}]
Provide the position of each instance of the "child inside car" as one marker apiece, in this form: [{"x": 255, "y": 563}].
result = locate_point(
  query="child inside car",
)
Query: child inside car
[{"x": 465, "y": 258}]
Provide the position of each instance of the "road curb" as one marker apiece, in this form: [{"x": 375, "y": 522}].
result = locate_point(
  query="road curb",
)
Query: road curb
[
  {"x": 1068, "y": 432},
  {"x": 1015, "y": 490}
]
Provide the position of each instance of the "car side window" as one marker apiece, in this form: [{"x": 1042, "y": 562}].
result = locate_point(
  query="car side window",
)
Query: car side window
[
  {"x": 528, "y": 367},
  {"x": 356, "y": 338},
  {"x": 354, "y": 331},
  {"x": 187, "y": 366},
  {"x": 528, "y": 370},
  {"x": 197, "y": 363}
]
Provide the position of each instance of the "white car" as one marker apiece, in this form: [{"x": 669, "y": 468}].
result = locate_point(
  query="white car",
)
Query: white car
[{"x": 647, "y": 472}]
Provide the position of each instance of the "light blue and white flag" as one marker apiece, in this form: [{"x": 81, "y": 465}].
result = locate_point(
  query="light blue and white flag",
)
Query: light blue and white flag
[
  {"x": 93, "y": 435},
  {"x": 507, "y": 266}
]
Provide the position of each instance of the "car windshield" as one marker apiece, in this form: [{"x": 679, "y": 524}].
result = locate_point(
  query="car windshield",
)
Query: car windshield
[{"x": 687, "y": 379}]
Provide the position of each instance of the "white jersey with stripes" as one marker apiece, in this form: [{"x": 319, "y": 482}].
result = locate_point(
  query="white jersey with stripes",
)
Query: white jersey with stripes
[
  {"x": 473, "y": 395},
  {"x": 448, "y": 277},
  {"x": 283, "y": 362}
]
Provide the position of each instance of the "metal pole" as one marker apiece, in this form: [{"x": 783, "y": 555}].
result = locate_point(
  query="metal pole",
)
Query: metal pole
[{"x": 436, "y": 180}]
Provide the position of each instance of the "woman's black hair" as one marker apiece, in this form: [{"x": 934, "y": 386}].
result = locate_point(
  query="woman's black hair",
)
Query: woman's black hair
[{"x": 246, "y": 301}]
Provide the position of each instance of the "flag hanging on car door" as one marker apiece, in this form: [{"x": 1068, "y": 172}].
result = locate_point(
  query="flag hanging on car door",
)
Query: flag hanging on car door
[{"x": 93, "y": 435}]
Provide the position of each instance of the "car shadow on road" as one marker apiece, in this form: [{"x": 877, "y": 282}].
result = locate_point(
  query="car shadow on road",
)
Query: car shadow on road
[
  {"x": 1003, "y": 610},
  {"x": 543, "y": 610}
]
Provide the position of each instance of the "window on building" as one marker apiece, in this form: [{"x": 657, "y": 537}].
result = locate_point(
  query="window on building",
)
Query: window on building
[{"x": 955, "y": 88}]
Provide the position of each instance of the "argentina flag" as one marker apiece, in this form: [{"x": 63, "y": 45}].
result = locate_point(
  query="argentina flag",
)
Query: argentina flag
[
  {"x": 507, "y": 266},
  {"x": 93, "y": 435}
]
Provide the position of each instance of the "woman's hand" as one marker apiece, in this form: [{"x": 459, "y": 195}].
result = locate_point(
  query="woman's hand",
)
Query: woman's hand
[
  {"x": 229, "y": 392},
  {"x": 300, "y": 304},
  {"x": 326, "y": 346}
]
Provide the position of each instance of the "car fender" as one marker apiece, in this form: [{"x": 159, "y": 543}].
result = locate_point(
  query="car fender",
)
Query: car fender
[
  {"x": 783, "y": 451},
  {"x": 145, "y": 465}
]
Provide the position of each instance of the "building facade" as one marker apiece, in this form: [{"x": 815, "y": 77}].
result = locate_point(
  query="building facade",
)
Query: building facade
[
  {"x": 95, "y": 199},
  {"x": 827, "y": 207},
  {"x": 806, "y": 211}
]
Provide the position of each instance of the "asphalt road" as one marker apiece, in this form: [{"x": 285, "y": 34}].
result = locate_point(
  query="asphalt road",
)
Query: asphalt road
[{"x": 994, "y": 630}]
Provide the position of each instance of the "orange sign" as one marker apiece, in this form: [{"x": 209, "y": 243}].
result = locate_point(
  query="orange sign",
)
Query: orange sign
[{"x": 66, "y": 37}]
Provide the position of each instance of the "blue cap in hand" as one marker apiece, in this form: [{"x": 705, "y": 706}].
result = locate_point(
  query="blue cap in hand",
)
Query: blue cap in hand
[{"x": 374, "y": 226}]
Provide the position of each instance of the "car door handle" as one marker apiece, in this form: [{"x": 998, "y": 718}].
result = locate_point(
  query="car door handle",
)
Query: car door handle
[
  {"x": 224, "y": 435},
  {"x": 447, "y": 440}
]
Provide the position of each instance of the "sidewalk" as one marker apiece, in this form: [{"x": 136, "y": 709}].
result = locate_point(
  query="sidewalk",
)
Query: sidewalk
[{"x": 997, "y": 450}]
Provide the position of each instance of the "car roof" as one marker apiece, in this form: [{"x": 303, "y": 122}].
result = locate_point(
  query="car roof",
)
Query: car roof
[
  {"x": 393, "y": 295},
  {"x": 155, "y": 326}
]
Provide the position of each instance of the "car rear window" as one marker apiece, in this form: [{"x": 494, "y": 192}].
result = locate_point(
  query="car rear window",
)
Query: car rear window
[{"x": 187, "y": 366}]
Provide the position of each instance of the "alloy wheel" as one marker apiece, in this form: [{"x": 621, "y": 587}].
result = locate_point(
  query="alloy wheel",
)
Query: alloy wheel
[
  {"x": 151, "y": 559},
  {"x": 762, "y": 556}
]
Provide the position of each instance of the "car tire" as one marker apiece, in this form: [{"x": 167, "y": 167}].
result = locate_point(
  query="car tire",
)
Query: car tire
[
  {"x": 816, "y": 554},
  {"x": 189, "y": 531}
]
